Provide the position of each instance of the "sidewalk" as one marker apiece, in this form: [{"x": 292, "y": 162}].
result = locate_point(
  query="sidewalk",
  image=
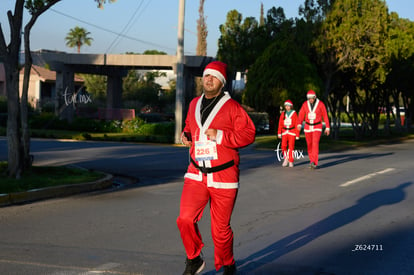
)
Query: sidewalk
[{"x": 55, "y": 191}]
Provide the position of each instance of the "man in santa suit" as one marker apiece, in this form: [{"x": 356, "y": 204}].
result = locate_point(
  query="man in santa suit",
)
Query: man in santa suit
[
  {"x": 313, "y": 111},
  {"x": 216, "y": 127},
  {"x": 288, "y": 132}
]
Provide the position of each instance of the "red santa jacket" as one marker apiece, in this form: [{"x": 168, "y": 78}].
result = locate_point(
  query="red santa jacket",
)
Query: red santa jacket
[
  {"x": 313, "y": 117},
  {"x": 235, "y": 129},
  {"x": 287, "y": 124}
]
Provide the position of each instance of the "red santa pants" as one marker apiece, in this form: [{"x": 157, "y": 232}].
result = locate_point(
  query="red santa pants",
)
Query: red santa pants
[
  {"x": 312, "y": 141},
  {"x": 288, "y": 146},
  {"x": 194, "y": 198}
]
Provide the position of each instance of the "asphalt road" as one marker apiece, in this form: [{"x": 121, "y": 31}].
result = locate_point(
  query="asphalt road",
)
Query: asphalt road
[{"x": 354, "y": 215}]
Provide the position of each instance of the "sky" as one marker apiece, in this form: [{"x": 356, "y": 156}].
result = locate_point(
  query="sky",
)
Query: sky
[{"x": 148, "y": 24}]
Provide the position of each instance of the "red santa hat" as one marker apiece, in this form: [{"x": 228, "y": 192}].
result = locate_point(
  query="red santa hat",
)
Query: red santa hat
[
  {"x": 218, "y": 70},
  {"x": 311, "y": 94},
  {"x": 288, "y": 102}
]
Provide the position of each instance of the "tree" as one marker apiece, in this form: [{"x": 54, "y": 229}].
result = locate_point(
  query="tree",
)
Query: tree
[
  {"x": 201, "y": 31},
  {"x": 35, "y": 9},
  {"x": 315, "y": 11},
  {"x": 399, "y": 83},
  {"x": 243, "y": 41},
  {"x": 314, "y": 14},
  {"x": 275, "y": 22},
  {"x": 154, "y": 52},
  {"x": 261, "y": 20},
  {"x": 96, "y": 85},
  {"x": 351, "y": 41},
  {"x": 201, "y": 49},
  {"x": 236, "y": 46},
  {"x": 17, "y": 126},
  {"x": 77, "y": 37},
  {"x": 282, "y": 72}
]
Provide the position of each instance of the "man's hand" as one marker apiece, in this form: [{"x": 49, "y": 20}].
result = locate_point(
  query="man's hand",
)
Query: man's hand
[
  {"x": 211, "y": 134},
  {"x": 327, "y": 131},
  {"x": 299, "y": 127},
  {"x": 185, "y": 140}
]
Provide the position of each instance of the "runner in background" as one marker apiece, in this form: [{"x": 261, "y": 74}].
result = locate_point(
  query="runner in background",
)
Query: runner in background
[
  {"x": 313, "y": 112},
  {"x": 288, "y": 132}
]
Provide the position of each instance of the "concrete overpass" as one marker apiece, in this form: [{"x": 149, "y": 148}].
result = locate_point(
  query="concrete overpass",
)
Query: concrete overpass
[{"x": 115, "y": 66}]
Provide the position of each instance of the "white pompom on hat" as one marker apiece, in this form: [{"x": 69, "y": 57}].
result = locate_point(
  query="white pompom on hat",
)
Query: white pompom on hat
[
  {"x": 311, "y": 94},
  {"x": 217, "y": 69}
]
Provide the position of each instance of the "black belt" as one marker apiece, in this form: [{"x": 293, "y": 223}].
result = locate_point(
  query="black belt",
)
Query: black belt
[
  {"x": 312, "y": 124},
  {"x": 288, "y": 128},
  {"x": 206, "y": 170}
]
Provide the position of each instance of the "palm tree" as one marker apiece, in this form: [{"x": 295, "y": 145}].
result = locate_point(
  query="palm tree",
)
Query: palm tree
[{"x": 77, "y": 37}]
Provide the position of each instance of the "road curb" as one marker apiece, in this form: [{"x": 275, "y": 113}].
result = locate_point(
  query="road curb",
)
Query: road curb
[{"x": 55, "y": 192}]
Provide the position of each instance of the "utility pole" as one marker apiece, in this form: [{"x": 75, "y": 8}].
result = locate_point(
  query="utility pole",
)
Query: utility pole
[{"x": 179, "y": 93}]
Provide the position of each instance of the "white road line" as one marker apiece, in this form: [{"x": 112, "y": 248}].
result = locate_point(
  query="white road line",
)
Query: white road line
[
  {"x": 348, "y": 183},
  {"x": 75, "y": 270},
  {"x": 105, "y": 268}
]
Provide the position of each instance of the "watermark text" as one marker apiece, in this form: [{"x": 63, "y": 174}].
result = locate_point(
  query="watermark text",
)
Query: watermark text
[
  {"x": 78, "y": 97},
  {"x": 297, "y": 154}
]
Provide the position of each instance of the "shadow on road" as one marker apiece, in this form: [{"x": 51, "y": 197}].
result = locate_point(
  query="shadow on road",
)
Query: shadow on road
[
  {"x": 342, "y": 158},
  {"x": 297, "y": 240},
  {"x": 259, "y": 158}
]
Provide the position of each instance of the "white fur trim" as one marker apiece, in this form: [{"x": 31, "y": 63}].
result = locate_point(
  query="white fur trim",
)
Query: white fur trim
[
  {"x": 223, "y": 185},
  {"x": 216, "y": 74},
  {"x": 197, "y": 177},
  {"x": 211, "y": 182},
  {"x": 211, "y": 116},
  {"x": 312, "y": 130}
]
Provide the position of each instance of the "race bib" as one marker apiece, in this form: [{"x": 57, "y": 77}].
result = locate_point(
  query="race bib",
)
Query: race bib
[
  {"x": 205, "y": 150},
  {"x": 288, "y": 121},
  {"x": 311, "y": 115}
]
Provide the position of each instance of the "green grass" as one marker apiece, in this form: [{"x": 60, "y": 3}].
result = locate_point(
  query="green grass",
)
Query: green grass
[
  {"x": 121, "y": 137},
  {"x": 40, "y": 177}
]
